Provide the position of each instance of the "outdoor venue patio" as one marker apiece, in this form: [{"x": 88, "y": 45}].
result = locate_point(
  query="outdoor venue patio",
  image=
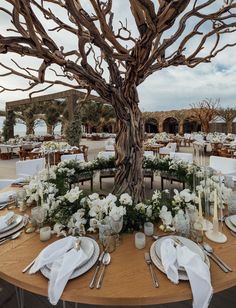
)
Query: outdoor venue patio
[{"x": 117, "y": 153}]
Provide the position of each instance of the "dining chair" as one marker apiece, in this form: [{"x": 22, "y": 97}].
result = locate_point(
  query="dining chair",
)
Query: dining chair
[
  {"x": 223, "y": 164},
  {"x": 170, "y": 147},
  {"x": 188, "y": 157},
  {"x": 79, "y": 156},
  {"x": 28, "y": 168}
]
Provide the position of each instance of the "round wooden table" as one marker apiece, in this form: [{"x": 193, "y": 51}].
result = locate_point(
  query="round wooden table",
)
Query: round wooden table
[{"x": 127, "y": 279}]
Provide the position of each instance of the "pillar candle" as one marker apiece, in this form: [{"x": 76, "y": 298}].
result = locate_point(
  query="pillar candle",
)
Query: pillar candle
[
  {"x": 215, "y": 205},
  {"x": 199, "y": 205}
]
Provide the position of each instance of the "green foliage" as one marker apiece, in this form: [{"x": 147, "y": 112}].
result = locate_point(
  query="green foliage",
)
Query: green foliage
[{"x": 73, "y": 131}]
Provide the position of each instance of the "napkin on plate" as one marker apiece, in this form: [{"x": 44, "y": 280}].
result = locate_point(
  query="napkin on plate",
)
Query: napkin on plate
[
  {"x": 198, "y": 272},
  {"x": 4, "y": 220},
  {"x": 4, "y": 196},
  {"x": 64, "y": 259},
  {"x": 19, "y": 180}
]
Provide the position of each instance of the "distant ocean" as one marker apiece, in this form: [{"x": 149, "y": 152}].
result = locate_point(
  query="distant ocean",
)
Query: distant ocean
[{"x": 20, "y": 129}]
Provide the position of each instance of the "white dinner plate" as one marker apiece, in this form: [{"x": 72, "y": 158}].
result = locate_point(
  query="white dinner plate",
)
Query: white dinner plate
[
  {"x": 233, "y": 219},
  {"x": 13, "y": 230},
  {"x": 182, "y": 274},
  {"x": 229, "y": 224},
  {"x": 16, "y": 222},
  {"x": 188, "y": 243},
  {"x": 81, "y": 269},
  {"x": 2, "y": 206}
]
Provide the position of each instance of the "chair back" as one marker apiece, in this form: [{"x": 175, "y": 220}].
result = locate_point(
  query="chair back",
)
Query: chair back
[
  {"x": 106, "y": 155},
  {"x": 148, "y": 154},
  {"x": 29, "y": 167},
  {"x": 223, "y": 164},
  {"x": 72, "y": 156},
  {"x": 188, "y": 157}
]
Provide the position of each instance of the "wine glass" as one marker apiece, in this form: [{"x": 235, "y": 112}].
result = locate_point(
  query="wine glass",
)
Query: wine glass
[{"x": 116, "y": 225}]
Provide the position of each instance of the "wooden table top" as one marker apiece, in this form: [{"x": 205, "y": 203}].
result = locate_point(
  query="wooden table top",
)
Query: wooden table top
[{"x": 127, "y": 279}]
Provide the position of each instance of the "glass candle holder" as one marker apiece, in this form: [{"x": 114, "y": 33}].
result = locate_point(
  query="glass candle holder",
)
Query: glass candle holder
[
  {"x": 140, "y": 240},
  {"x": 148, "y": 228},
  {"x": 45, "y": 234}
]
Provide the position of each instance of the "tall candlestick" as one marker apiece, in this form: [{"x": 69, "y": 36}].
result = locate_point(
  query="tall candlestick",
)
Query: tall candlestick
[
  {"x": 215, "y": 215},
  {"x": 199, "y": 205}
]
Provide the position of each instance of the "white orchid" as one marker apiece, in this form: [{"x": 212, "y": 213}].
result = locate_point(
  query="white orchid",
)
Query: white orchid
[
  {"x": 73, "y": 194},
  {"x": 166, "y": 216},
  {"x": 126, "y": 199},
  {"x": 117, "y": 212}
]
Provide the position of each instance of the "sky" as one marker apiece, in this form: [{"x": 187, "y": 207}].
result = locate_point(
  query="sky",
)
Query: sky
[{"x": 171, "y": 88}]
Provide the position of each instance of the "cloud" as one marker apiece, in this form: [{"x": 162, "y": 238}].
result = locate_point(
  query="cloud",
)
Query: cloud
[{"x": 171, "y": 88}]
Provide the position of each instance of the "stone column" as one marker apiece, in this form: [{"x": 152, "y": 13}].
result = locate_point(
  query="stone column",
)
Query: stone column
[
  {"x": 181, "y": 128},
  {"x": 10, "y": 121},
  {"x": 229, "y": 127},
  {"x": 160, "y": 127},
  {"x": 49, "y": 129}
]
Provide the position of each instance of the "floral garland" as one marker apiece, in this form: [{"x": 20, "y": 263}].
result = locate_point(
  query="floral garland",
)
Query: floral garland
[{"x": 69, "y": 208}]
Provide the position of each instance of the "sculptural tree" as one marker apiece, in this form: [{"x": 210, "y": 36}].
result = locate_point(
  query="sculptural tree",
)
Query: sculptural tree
[
  {"x": 205, "y": 111},
  {"x": 111, "y": 60}
]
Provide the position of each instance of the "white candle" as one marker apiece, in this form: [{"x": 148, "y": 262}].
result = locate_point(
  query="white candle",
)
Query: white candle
[
  {"x": 148, "y": 228},
  {"x": 215, "y": 216},
  {"x": 140, "y": 240},
  {"x": 199, "y": 205},
  {"x": 45, "y": 233}
]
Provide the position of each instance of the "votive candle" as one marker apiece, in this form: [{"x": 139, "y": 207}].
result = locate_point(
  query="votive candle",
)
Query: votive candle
[
  {"x": 199, "y": 205},
  {"x": 148, "y": 228},
  {"x": 215, "y": 215},
  {"x": 140, "y": 240},
  {"x": 44, "y": 234}
]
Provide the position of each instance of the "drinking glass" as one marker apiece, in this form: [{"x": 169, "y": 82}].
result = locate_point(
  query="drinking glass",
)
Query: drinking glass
[
  {"x": 38, "y": 214},
  {"x": 109, "y": 240},
  {"x": 103, "y": 226},
  {"x": 116, "y": 225}
]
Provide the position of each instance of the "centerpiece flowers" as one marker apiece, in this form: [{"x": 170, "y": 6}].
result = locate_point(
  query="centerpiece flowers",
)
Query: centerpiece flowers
[{"x": 71, "y": 210}]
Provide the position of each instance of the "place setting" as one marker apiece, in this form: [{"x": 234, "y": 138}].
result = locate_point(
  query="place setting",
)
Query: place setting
[
  {"x": 11, "y": 226},
  {"x": 63, "y": 260},
  {"x": 7, "y": 199}
]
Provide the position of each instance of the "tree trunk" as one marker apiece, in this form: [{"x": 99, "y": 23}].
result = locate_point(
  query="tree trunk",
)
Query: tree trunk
[
  {"x": 205, "y": 127},
  {"x": 129, "y": 148}
]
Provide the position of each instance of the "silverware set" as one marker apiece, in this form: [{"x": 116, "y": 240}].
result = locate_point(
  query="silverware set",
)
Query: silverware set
[
  {"x": 104, "y": 259},
  {"x": 149, "y": 263},
  {"x": 10, "y": 237},
  {"x": 208, "y": 250}
]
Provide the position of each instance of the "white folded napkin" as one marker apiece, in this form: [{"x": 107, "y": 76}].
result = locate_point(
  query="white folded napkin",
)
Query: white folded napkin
[
  {"x": 4, "y": 220},
  {"x": 19, "y": 180},
  {"x": 198, "y": 272},
  {"x": 4, "y": 196},
  {"x": 64, "y": 259}
]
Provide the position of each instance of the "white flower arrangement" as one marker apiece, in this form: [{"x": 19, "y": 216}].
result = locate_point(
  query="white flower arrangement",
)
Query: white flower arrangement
[{"x": 49, "y": 146}]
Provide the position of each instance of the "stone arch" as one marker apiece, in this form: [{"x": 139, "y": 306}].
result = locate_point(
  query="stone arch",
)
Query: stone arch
[
  {"x": 171, "y": 125},
  {"x": 191, "y": 125},
  {"x": 21, "y": 127},
  {"x": 151, "y": 125},
  {"x": 40, "y": 126}
]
